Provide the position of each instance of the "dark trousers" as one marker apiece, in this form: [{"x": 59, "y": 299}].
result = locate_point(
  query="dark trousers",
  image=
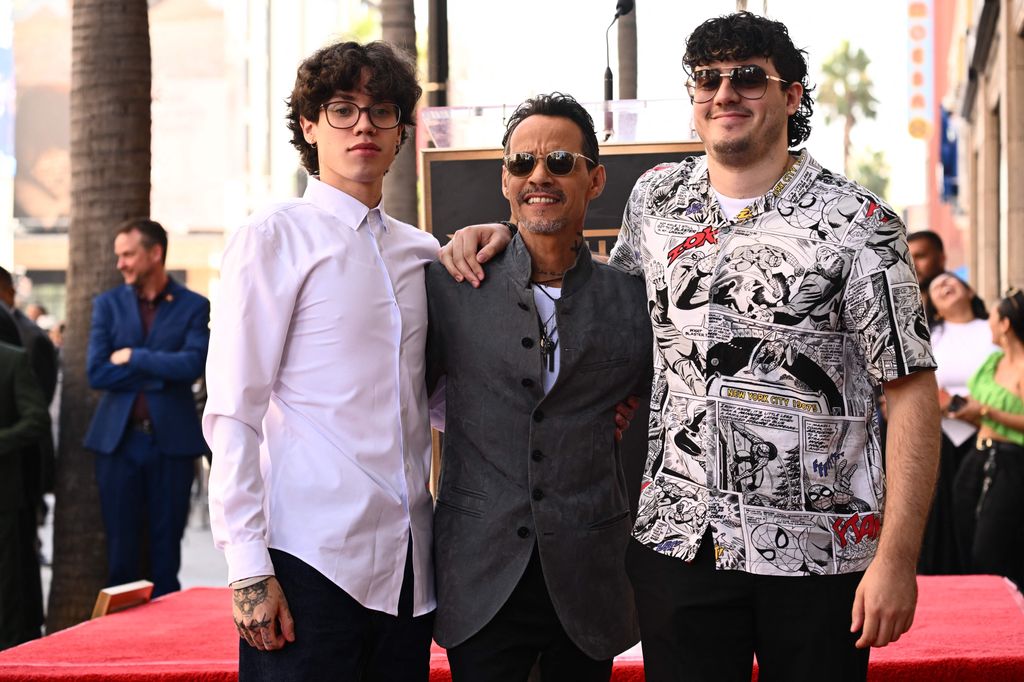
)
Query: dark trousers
[
  {"x": 525, "y": 628},
  {"x": 989, "y": 515},
  {"x": 142, "y": 488},
  {"x": 698, "y": 623},
  {"x": 940, "y": 551},
  {"x": 21, "y": 604},
  {"x": 339, "y": 639}
]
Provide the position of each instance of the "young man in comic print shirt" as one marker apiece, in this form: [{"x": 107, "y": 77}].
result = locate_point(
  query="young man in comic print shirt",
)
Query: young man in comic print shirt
[{"x": 770, "y": 539}]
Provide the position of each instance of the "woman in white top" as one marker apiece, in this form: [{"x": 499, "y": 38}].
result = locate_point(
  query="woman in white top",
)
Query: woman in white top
[{"x": 961, "y": 341}]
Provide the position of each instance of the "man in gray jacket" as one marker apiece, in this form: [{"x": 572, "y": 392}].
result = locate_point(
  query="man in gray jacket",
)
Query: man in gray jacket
[{"x": 532, "y": 518}]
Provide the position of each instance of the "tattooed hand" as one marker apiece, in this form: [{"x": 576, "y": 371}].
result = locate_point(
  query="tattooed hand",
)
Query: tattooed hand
[{"x": 262, "y": 616}]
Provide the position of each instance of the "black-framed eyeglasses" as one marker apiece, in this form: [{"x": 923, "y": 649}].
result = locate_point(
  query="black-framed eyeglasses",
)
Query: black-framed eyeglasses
[
  {"x": 558, "y": 162},
  {"x": 344, "y": 115},
  {"x": 750, "y": 81}
]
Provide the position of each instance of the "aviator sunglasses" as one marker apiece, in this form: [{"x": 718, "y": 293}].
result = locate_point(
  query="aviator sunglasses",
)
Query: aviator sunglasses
[
  {"x": 558, "y": 162},
  {"x": 750, "y": 81}
]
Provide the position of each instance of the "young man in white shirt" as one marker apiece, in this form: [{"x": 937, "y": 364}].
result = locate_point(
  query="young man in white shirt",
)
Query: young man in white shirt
[{"x": 317, "y": 412}]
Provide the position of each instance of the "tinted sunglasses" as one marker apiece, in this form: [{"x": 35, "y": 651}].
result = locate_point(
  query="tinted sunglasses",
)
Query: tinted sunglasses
[
  {"x": 558, "y": 162},
  {"x": 749, "y": 81}
]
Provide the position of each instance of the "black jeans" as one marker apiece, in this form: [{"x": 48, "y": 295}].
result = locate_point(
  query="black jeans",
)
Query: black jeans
[
  {"x": 339, "y": 639},
  {"x": 698, "y": 623},
  {"x": 525, "y": 628},
  {"x": 989, "y": 516}
]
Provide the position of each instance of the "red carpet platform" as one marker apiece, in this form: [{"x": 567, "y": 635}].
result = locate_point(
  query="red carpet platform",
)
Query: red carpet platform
[{"x": 967, "y": 628}]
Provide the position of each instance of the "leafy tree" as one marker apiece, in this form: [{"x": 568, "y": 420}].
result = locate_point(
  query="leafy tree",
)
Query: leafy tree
[
  {"x": 872, "y": 170},
  {"x": 845, "y": 92}
]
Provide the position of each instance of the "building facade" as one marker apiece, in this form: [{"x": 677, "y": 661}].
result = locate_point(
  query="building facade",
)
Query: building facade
[{"x": 986, "y": 93}]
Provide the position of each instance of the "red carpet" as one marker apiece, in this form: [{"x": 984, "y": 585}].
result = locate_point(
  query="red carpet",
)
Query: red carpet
[{"x": 967, "y": 628}]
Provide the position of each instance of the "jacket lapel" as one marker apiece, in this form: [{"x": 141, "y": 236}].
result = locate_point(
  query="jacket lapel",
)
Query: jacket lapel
[{"x": 130, "y": 303}]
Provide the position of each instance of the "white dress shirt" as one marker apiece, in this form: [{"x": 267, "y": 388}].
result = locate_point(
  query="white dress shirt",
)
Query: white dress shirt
[{"x": 317, "y": 411}]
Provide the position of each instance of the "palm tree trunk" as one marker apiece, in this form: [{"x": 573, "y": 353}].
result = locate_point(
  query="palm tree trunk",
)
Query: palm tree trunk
[
  {"x": 110, "y": 163},
  {"x": 398, "y": 24}
]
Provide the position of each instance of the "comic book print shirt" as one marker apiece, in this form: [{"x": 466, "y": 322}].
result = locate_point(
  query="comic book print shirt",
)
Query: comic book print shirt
[{"x": 772, "y": 331}]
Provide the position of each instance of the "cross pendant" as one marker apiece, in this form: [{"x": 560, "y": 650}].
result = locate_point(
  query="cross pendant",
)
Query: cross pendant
[{"x": 547, "y": 349}]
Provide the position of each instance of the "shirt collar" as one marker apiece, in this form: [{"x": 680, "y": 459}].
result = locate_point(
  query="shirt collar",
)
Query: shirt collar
[
  {"x": 342, "y": 206},
  {"x": 792, "y": 185},
  {"x": 521, "y": 265},
  {"x": 163, "y": 295}
]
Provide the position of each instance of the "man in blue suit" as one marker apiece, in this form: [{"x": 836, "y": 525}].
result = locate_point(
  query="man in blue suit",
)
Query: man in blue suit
[{"x": 147, "y": 346}]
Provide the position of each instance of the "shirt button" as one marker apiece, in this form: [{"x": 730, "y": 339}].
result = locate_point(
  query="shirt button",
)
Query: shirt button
[
  {"x": 536, "y": 455},
  {"x": 714, "y": 362},
  {"x": 523, "y": 306},
  {"x": 527, "y": 342},
  {"x": 538, "y": 416},
  {"x": 523, "y": 532},
  {"x": 538, "y": 494},
  {"x": 527, "y": 383}
]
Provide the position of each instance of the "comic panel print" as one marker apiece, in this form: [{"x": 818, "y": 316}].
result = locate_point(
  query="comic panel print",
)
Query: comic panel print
[
  {"x": 869, "y": 316},
  {"x": 912, "y": 326},
  {"x": 781, "y": 280},
  {"x": 835, "y": 479},
  {"x": 856, "y": 539},
  {"x": 727, "y": 531},
  {"x": 881, "y": 241},
  {"x": 823, "y": 216},
  {"x": 677, "y": 289},
  {"x": 756, "y": 275},
  {"x": 794, "y": 544},
  {"x": 758, "y": 455},
  {"x": 671, "y": 514},
  {"x": 806, "y": 365}
]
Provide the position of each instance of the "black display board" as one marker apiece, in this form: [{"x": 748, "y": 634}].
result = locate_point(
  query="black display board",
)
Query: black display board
[{"x": 463, "y": 187}]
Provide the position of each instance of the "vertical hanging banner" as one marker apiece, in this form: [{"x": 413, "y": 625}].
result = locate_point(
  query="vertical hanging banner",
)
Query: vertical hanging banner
[{"x": 921, "y": 44}]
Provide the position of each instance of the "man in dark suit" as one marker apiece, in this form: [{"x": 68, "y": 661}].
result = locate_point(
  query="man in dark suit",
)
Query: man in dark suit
[
  {"x": 23, "y": 419},
  {"x": 147, "y": 345},
  {"x": 39, "y": 463},
  {"x": 532, "y": 518}
]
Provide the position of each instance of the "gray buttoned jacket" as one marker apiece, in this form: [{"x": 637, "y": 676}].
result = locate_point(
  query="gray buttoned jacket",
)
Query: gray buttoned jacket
[{"x": 521, "y": 468}]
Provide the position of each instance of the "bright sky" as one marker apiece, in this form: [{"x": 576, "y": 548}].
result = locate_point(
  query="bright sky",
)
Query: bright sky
[{"x": 506, "y": 52}]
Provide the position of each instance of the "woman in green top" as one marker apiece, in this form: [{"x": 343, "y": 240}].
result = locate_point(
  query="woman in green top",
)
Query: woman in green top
[{"x": 989, "y": 487}]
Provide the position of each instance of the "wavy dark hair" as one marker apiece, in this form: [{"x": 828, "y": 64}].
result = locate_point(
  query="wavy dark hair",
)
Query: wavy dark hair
[
  {"x": 557, "y": 104},
  {"x": 1011, "y": 308},
  {"x": 151, "y": 233},
  {"x": 739, "y": 36},
  {"x": 337, "y": 67}
]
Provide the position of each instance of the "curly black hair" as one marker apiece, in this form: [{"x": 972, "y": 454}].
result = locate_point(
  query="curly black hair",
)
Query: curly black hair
[
  {"x": 392, "y": 78},
  {"x": 557, "y": 104},
  {"x": 739, "y": 36}
]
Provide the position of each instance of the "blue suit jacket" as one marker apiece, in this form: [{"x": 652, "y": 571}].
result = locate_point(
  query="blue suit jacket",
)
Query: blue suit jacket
[{"x": 163, "y": 366}]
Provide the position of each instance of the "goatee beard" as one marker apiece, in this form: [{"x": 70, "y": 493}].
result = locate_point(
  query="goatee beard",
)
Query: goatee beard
[{"x": 543, "y": 226}]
